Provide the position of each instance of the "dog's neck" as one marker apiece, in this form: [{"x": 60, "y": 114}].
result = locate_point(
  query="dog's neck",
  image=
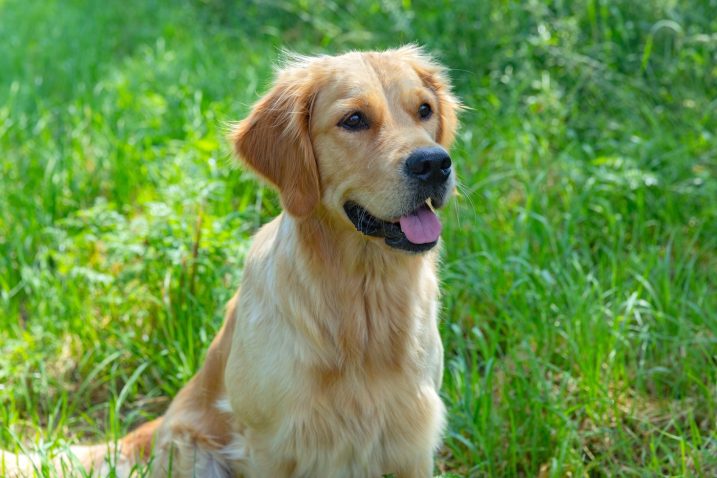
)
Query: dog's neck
[{"x": 367, "y": 297}]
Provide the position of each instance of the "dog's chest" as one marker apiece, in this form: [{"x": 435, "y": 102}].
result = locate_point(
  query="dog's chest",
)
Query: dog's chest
[
  {"x": 344, "y": 376},
  {"x": 361, "y": 425}
]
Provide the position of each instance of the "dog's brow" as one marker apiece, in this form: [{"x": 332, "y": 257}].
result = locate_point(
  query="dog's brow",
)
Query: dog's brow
[{"x": 354, "y": 103}]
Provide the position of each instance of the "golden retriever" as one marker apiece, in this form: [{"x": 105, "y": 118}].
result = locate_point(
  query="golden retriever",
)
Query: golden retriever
[{"x": 329, "y": 361}]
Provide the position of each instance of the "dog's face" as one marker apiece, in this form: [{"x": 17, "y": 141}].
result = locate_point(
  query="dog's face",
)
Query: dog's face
[{"x": 364, "y": 135}]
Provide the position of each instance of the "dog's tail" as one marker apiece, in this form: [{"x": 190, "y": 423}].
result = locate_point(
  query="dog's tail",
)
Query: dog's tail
[{"x": 124, "y": 456}]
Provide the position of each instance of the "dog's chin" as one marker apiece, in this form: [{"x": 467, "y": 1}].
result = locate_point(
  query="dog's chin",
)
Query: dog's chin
[{"x": 421, "y": 224}]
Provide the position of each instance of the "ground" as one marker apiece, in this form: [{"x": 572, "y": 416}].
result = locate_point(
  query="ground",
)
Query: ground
[{"x": 580, "y": 295}]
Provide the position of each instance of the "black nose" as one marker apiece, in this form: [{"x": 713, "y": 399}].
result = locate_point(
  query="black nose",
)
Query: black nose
[{"x": 429, "y": 165}]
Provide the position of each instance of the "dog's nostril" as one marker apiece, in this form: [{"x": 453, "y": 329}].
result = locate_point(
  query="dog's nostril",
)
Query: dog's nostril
[
  {"x": 429, "y": 165},
  {"x": 420, "y": 167}
]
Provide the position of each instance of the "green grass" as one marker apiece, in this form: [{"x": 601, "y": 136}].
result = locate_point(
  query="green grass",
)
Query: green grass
[{"x": 580, "y": 294}]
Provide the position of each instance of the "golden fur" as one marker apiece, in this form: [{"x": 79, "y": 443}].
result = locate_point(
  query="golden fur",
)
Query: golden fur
[{"x": 329, "y": 362}]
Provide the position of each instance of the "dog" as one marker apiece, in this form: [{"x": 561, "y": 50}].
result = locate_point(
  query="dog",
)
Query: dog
[{"x": 329, "y": 361}]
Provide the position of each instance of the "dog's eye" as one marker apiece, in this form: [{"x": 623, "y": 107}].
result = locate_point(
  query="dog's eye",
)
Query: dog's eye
[
  {"x": 425, "y": 111},
  {"x": 354, "y": 122}
]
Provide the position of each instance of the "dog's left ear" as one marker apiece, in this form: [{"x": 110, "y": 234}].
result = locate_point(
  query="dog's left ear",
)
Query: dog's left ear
[
  {"x": 434, "y": 76},
  {"x": 274, "y": 141}
]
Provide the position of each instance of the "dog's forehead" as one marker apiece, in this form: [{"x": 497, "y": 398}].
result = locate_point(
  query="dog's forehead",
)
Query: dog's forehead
[{"x": 356, "y": 73}]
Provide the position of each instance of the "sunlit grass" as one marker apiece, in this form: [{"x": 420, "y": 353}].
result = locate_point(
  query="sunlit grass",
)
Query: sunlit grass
[{"x": 580, "y": 299}]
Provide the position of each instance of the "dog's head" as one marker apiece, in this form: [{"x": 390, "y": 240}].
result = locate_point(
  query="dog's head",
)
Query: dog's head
[{"x": 361, "y": 136}]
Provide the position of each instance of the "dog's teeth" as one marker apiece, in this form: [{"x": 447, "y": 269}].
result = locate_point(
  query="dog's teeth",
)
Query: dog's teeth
[{"x": 429, "y": 203}]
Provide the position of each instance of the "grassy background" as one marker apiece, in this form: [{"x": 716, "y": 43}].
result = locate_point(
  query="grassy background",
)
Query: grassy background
[{"x": 580, "y": 307}]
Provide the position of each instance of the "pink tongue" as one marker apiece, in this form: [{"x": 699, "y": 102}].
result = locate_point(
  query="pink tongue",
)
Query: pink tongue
[{"x": 421, "y": 226}]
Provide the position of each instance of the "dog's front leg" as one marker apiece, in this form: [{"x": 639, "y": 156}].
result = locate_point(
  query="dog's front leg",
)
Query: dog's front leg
[{"x": 264, "y": 465}]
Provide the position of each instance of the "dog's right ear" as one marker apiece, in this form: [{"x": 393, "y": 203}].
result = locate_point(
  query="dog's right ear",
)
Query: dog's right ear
[{"x": 274, "y": 141}]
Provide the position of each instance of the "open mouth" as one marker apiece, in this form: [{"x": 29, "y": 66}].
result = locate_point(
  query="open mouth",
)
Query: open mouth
[{"x": 416, "y": 231}]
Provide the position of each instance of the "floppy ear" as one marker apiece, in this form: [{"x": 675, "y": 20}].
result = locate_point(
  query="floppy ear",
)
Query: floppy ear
[
  {"x": 434, "y": 77},
  {"x": 274, "y": 141}
]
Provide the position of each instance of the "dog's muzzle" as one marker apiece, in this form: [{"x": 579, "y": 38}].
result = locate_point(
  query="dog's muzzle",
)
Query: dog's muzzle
[{"x": 421, "y": 224}]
